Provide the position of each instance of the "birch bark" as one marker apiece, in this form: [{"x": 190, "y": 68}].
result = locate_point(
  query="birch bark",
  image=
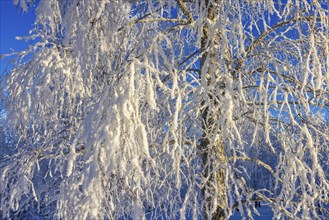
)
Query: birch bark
[{"x": 213, "y": 155}]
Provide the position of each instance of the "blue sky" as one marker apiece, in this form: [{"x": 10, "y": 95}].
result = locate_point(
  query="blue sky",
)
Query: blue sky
[{"x": 13, "y": 22}]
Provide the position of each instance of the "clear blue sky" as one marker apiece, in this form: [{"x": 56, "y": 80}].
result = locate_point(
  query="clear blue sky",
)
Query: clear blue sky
[{"x": 13, "y": 22}]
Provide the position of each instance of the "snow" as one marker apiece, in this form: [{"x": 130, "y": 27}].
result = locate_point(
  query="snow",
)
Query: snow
[
  {"x": 265, "y": 213},
  {"x": 106, "y": 101}
]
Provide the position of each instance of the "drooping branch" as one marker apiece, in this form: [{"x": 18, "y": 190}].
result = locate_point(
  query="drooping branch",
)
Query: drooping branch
[
  {"x": 257, "y": 161},
  {"x": 240, "y": 61}
]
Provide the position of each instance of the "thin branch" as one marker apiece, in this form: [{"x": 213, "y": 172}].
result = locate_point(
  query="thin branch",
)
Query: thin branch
[
  {"x": 259, "y": 162},
  {"x": 260, "y": 39},
  {"x": 184, "y": 9},
  {"x": 160, "y": 20}
]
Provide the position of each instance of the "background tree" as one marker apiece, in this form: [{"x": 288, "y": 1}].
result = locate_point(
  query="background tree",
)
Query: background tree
[{"x": 149, "y": 109}]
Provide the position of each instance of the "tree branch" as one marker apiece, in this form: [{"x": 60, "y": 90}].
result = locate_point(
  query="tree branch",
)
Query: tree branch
[
  {"x": 239, "y": 62},
  {"x": 184, "y": 9},
  {"x": 259, "y": 162},
  {"x": 160, "y": 20}
]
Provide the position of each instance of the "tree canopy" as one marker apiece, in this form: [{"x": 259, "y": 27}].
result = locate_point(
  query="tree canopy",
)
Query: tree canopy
[{"x": 169, "y": 109}]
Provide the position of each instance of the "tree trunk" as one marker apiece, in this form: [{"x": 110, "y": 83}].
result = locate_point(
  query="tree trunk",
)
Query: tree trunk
[
  {"x": 214, "y": 191},
  {"x": 213, "y": 154}
]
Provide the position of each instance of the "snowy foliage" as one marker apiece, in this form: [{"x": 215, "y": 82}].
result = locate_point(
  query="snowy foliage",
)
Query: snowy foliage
[{"x": 169, "y": 109}]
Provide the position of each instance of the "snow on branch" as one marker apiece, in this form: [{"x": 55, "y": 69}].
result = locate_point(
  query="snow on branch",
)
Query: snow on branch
[{"x": 168, "y": 109}]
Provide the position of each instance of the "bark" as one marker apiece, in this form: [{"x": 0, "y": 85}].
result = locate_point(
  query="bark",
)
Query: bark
[{"x": 213, "y": 152}]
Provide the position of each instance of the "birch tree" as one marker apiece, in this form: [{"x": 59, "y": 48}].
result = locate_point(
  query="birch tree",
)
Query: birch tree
[{"x": 169, "y": 109}]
